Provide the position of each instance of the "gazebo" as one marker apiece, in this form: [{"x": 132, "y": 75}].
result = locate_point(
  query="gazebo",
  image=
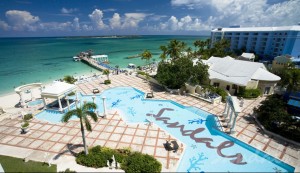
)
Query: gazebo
[
  {"x": 24, "y": 88},
  {"x": 59, "y": 91}
]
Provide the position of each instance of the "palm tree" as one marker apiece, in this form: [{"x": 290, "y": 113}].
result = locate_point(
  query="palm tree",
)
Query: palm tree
[
  {"x": 175, "y": 48},
  {"x": 69, "y": 79},
  {"x": 147, "y": 55},
  {"x": 106, "y": 72},
  {"x": 117, "y": 68},
  {"x": 82, "y": 113},
  {"x": 163, "y": 56}
]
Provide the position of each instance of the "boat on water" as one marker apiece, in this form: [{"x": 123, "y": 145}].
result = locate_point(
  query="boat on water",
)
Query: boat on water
[
  {"x": 134, "y": 56},
  {"x": 131, "y": 66},
  {"x": 76, "y": 58}
]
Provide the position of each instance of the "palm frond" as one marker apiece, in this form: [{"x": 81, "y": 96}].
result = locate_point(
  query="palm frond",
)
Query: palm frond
[
  {"x": 66, "y": 117},
  {"x": 93, "y": 115},
  {"x": 89, "y": 106},
  {"x": 87, "y": 124}
]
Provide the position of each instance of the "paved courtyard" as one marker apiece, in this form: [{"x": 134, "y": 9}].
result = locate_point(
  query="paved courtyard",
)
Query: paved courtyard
[{"x": 115, "y": 133}]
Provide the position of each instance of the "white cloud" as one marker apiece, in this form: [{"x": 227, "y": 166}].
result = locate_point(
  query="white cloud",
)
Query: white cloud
[
  {"x": 4, "y": 26},
  {"x": 68, "y": 11},
  {"x": 132, "y": 20},
  {"x": 245, "y": 12},
  {"x": 129, "y": 20},
  {"x": 186, "y": 23},
  {"x": 110, "y": 10},
  {"x": 115, "y": 21},
  {"x": 21, "y": 20},
  {"x": 154, "y": 17},
  {"x": 97, "y": 19},
  {"x": 76, "y": 24},
  {"x": 55, "y": 26}
]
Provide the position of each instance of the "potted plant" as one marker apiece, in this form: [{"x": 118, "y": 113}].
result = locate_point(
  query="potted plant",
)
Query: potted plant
[{"x": 25, "y": 127}]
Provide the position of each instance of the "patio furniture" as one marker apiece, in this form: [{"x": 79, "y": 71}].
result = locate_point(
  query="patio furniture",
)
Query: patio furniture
[
  {"x": 175, "y": 146},
  {"x": 168, "y": 146},
  {"x": 150, "y": 95},
  {"x": 96, "y": 90}
]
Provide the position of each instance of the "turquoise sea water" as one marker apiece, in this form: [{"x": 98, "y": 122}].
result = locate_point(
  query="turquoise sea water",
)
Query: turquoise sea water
[{"x": 26, "y": 60}]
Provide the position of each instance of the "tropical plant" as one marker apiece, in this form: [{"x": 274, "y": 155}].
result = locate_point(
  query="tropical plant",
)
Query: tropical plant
[
  {"x": 130, "y": 161},
  {"x": 138, "y": 162},
  {"x": 290, "y": 78},
  {"x": 273, "y": 115},
  {"x": 117, "y": 68},
  {"x": 147, "y": 55},
  {"x": 27, "y": 117},
  {"x": 82, "y": 113},
  {"x": 106, "y": 82},
  {"x": 106, "y": 72},
  {"x": 174, "y": 75},
  {"x": 69, "y": 79},
  {"x": 174, "y": 49}
]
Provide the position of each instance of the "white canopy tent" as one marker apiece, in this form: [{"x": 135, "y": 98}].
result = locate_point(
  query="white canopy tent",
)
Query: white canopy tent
[
  {"x": 100, "y": 58},
  {"x": 58, "y": 90}
]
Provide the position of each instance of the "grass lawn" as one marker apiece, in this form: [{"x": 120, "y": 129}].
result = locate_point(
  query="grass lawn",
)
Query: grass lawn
[{"x": 11, "y": 164}]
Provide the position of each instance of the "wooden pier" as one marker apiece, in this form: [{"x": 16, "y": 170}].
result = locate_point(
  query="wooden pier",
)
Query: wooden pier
[{"x": 93, "y": 64}]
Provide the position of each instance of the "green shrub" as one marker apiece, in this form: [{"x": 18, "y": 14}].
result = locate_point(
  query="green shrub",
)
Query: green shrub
[
  {"x": 221, "y": 93},
  {"x": 98, "y": 157},
  {"x": 138, "y": 162},
  {"x": 141, "y": 73},
  {"x": 130, "y": 162},
  {"x": 248, "y": 93},
  {"x": 273, "y": 115},
  {"x": 106, "y": 82},
  {"x": 25, "y": 124},
  {"x": 27, "y": 117}
]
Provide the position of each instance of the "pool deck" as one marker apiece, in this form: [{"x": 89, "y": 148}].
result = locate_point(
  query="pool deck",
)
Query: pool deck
[{"x": 63, "y": 139}]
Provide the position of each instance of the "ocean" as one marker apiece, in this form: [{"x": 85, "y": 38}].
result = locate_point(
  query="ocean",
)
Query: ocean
[{"x": 28, "y": 60}]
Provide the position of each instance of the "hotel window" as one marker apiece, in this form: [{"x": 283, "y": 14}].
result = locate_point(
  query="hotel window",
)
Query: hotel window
[{"x": 216, "y": 84}]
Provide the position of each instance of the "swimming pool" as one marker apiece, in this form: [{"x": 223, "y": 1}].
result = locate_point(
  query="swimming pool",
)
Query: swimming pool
[
  {"x": 207, "y": 148},
  {"x": 35, "y": 102}
]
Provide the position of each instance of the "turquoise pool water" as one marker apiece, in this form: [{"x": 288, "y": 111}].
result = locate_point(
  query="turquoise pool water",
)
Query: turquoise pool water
[
  {"x": 207, "y": 148},
  {"x": 35, "y": 102}
]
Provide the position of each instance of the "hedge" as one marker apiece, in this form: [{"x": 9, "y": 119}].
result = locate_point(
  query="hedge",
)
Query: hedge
[
  {"x": 106, "y": 82},
  {"x": 248, "y": 93},
  {"x": 138, "y": 162},
  {"x": 130, "y": 161}
]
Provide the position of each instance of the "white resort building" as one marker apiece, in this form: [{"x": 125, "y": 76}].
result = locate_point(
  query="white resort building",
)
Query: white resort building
[
  {"x": 271, "y": 41},
  {"x": 230, "y": 74}
]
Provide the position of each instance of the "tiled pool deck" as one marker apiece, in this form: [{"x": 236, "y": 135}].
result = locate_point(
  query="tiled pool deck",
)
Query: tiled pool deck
[{"x": 115, "y": 133}]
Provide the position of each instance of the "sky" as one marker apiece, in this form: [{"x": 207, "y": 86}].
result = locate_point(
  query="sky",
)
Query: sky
[{"x": 27, "y": 18}]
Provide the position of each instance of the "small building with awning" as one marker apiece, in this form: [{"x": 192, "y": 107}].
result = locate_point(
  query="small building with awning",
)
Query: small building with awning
[
  {"x": 58, "y": 91},
  {"x": 230, "y": 74}
]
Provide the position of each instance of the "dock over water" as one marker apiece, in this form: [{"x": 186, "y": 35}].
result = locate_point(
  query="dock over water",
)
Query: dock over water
[{"x": 95, "y": 64}]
